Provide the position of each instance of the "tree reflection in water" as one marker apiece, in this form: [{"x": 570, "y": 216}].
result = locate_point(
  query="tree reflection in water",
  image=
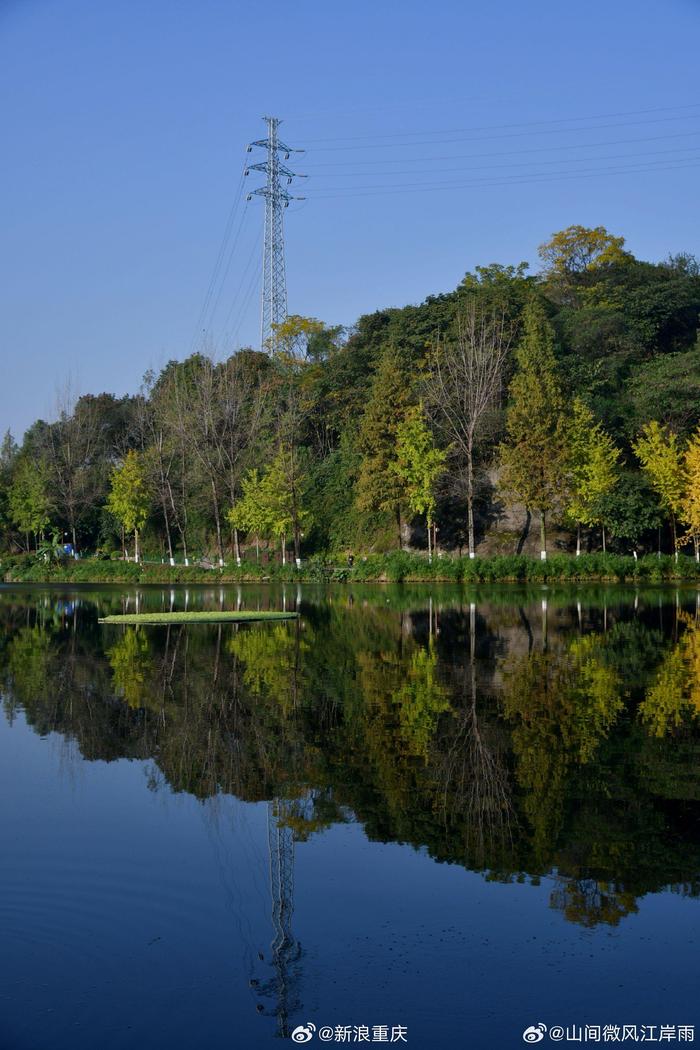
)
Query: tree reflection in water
[{"x": 522, "y": 739}]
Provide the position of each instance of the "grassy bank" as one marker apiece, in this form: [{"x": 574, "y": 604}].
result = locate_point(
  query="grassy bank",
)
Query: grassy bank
[{"x": 396, "y": 567}]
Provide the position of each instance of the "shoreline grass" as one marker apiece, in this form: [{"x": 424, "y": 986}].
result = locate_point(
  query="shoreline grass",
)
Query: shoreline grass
[{"x": 395, "y": 567}]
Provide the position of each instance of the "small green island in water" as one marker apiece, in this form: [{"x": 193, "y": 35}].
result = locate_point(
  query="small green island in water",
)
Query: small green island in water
[{"x": 196, "y": 617}]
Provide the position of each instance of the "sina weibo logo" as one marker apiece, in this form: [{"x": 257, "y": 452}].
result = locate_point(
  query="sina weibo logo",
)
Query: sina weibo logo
[
  {"x": 535, "y": 1033},
  {"x": 303, "y": 1033}
]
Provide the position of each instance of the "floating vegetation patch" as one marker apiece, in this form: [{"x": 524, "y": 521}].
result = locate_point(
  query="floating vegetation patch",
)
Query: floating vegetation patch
[{"x": 197, "y": 617}]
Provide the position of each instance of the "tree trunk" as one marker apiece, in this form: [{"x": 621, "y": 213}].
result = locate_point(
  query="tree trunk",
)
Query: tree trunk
[
  {"x": 398, "y": 525},
  {"x": 284, "y": 550},
  {"x": 543, "y": 535},
  {"x": 236, "y": 547},
  {"x": 136, "y": 545},
  {"x": 578, "y": 538},
  {"x": 470, "y": 502},
  {"x": 604, "y": 548},
  {"x": 215, "y": 501},
  {"x": 168, "y": 537},
  {"x": 675, "y": 536},
  {"x": 430, "y": 551}
]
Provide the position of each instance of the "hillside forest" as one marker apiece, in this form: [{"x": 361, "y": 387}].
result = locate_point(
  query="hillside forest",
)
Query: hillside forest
[{"x": 520, "y": 411}]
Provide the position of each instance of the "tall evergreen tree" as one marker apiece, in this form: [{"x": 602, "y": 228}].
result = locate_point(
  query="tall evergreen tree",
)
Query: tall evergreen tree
[
  {"x": 419, "y": 464},
  {"x": 380, "y": 485},
  {"x": 533, "y": 456}
]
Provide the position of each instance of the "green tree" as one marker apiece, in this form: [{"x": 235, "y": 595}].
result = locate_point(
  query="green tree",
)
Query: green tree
[
  {"x": 660, "y": 454},
  {"x": 251, "y": 513},
  {"x": 533, "y": 457},
  {"x": 592, "y": 466},
  {"x": 629, "y": 510},
  {"x": 129, "y": 499},
  {"x": 419, "y": 465},
  {"x": 29, "y": 502},
  {"x": 690, "y": 499},
  {"x": 274, "y": 504},
  {"x": 379, "y": 485}
]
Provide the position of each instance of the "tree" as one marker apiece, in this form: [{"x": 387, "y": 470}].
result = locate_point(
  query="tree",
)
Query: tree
[
  {"x": 29, "y": 502},
  {"x": 465, "y": 384},
  {"x": 533, "y": 456},
  {"x": 592, "y": 467},
  {"x": 419, "y": 464},
  {"x": 576, "y": 251},
  {"x": 659, "y": 452},
  {"x": 251, "y": 513},
  {"x": 73, "y": 447},
  {"x": 674, "y": 697},
  {"x": 629, "y": 509},
  {"x": 8, "y": 455},
  {"x": 304, "y": 338},
  {"x": 128, "y": 499},
  {"x": 283, "y": 488},
  {"x": 379, "y": 485},
  {"x": 666, "y": 388},
  {"x": 690, "y": 499},
  {"x": 273, "y": 504}
]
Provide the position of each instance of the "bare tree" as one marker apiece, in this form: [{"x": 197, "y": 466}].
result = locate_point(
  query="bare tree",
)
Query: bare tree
[
  {"x": 225, "y": 412},
  {"x": 473, "y": 775},
  {"x": 465, "y": 384},
  {"x": 72, "y": 446}
]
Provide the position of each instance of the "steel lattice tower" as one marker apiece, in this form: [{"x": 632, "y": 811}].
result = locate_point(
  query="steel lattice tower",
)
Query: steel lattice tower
[{"x": 274, "y": 283}]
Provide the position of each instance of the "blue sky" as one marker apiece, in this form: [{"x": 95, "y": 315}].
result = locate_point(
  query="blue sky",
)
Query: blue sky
[{"x": 439, "y": 136}]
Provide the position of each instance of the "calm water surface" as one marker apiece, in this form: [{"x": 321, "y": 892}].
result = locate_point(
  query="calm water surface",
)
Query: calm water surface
[{"x": 459, "y": 812}]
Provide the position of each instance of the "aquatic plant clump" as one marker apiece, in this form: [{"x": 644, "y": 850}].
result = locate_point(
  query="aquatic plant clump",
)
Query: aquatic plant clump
[{"x": 196, "y": 617}]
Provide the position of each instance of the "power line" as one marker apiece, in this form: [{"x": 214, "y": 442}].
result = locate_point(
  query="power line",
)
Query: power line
[
  {"x": 247, "y": 299},
  {"x": 232, "y": 252},
  {"x": 510, "y": 152},
  {"x": 512, "y": 134},
  {"x": 515, "y": 164},
  {"x": 498, "y": 127},
  {"x": 501, "y": 180},
  {"x": 217, "y": 263},
  {"x": 239, "y": 286}
]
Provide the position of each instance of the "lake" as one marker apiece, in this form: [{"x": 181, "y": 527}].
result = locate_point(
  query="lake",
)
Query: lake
[{"x": 423, "y": 815}]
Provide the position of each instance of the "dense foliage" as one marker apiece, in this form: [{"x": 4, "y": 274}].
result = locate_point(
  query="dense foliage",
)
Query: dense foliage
[{"x": 569, "y": 398}]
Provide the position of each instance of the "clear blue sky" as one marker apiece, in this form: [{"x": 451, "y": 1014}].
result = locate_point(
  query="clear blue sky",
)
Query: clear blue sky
[{"x": 440, "y": 136}]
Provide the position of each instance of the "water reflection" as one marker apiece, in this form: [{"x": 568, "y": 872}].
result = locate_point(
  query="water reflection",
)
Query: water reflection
[{"x": 525, "y": 739}]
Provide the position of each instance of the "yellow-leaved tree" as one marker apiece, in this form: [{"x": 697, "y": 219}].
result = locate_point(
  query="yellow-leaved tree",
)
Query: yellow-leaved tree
[
  {"x": 129, "y": 500},
  {"x": 593, "y": 469},
  {"x": 690, "y": 499},
  {"x": 661, "y": 457}
]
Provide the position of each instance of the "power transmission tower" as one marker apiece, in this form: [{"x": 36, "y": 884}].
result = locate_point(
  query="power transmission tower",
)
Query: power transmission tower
[
  {"x": 274, "y": 284},
  {"x": 286, "y": 950}
]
